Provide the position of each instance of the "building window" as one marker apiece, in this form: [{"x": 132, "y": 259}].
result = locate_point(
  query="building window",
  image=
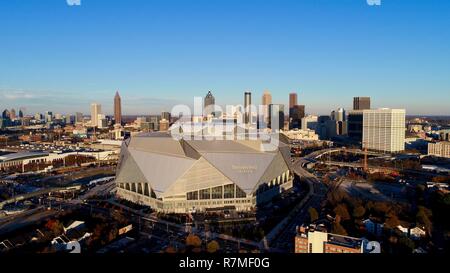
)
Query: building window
[
  {"x": 228, "y": 191},
  {"x": 217, "y": 192},
  {"x": 205, "y": 194},
  {"x": 240, "y": 193},
  {"x": 193, "y": 195}
]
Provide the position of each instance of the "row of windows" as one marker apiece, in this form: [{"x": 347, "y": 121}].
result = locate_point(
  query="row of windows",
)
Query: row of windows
[{"x": 229, "y": 191}]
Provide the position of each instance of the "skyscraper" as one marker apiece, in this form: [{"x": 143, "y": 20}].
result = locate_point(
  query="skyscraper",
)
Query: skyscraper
[
  {"x": 266, "y": 101},
  {"x": 117, "y": 108},
  {"x": 266, "y": 98},
  {"x": 292, "y": 100},
  {"x": 276, "y": 113},
  {"x": 209, "y": 99},
  {"x": 247, "y": 105},
  {"x": 166, "y": 115},
  {"x": 361, "y": 103},
  {"x": 20, "y": 113},
  {"x": 296, "y": 113},
  {"x": 384, "y": 130},
  {"x": 95, "y": 110},
  {"x": 48, "y": 116},
  {"x": 78, "y": 117},
  {"x": 6, "y": 114},
  {"x": 12, "y": 114}
]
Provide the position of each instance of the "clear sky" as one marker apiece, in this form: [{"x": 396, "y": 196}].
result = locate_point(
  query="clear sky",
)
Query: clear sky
[{"x": 160, "y": 53}]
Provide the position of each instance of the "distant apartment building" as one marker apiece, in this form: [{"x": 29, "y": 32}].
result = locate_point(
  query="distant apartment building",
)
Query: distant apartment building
[
  {"x": 361, "y": 103},
  {"x": 96, "y": 109},
  {"x": 301, "y": 134},
  {"x": 296, "y": 113},
  {"x": 384, "y": 130},
  {"x": 316, "y": 239},
  {"x": 78, "y": 117},
  {"x": 355, "y": 125},
  {"x": 309, "y": 122},
  {"x": 439, "y": 149}
]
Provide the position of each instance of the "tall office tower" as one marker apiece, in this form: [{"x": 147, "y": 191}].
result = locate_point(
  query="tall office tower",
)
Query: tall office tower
[
  {"x": 102, "y": 122},
  {"x": 355, "y": 125},
  {"x": 78, "y": 117},
  {"x": 6, "y": 114},
  {"x": 266, "y": 98},
  {"x": 12, "y": 114},
  {"x": 247, "y": 106},
  {"x": 276, "y": 113},
  {"x": 20, "y": 113},
  {"x": 339, "y": 116},
  {"x": 166, "y": 115},
  {"x": 209, "y": 99},
  {"x": 361, "y": 103},
  {"x": 117, "y": 108},
  {"x": 266, "y": 101},
  {"x": 48, "y": 116},
  {"x": 296, "y": 113},
  {"x": 384, "y": 130},
  {"x": 69, "y": 119},
  {"x": 38, "y": 116},
  {"x": 292, "y": 100},
  {"x": 95, "y": 110}
]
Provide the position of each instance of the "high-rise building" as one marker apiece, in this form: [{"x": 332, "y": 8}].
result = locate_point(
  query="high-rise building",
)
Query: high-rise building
[
  {"x": 355, "y": 125},
  {"x": 78, "y": 117},
  {"x": 439, "y": 149},
  {"x": 96, "y": 109},
  {"x": 309, "y": 122},
  {"x": 38, "y": 116},
  {"x": 247, "y": 106},
  {"x": 296, "y": 113},
  {"x": 6, "y": 114},
  {"x": 48, "y": 116},
  {"x": 12, "y": 114},
  {"x": 384, "y": 130},
  {"x": 276, "y": 115},
  {"x": 340, "y": 118},
  {"x": 266, "y": 98},
  {"x": 167, "y": 116},
  {"x": 20, "y": 113},
  {"x": 102, "y": 121},
  {"x": 361, "y": 103},
  {"x": 292, "y": 100},
  {"x": 266, "y": 101},
  {"x": 209, "y": 99},
  {"x": 117, "y": 108}
]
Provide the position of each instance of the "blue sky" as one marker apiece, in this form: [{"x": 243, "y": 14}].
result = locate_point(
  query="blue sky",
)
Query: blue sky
[{"x": 160, "y": 53}]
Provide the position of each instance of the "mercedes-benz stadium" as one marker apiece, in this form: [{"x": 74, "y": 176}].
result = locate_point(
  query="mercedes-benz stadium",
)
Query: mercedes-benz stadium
[{"x": 179, "y": 176}]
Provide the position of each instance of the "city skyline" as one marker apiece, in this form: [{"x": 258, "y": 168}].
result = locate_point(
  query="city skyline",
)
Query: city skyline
[{"x": 68, "y": 65}]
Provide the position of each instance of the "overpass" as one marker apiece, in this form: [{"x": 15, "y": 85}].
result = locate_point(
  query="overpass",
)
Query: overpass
[{"x": 42, "y": 192}]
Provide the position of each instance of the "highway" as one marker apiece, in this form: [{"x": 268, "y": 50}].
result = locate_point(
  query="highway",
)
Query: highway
[{"x": 285, "y": 239}]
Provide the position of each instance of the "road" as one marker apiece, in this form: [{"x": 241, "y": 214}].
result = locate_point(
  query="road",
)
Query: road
[{"x": 285, "y": 240}]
